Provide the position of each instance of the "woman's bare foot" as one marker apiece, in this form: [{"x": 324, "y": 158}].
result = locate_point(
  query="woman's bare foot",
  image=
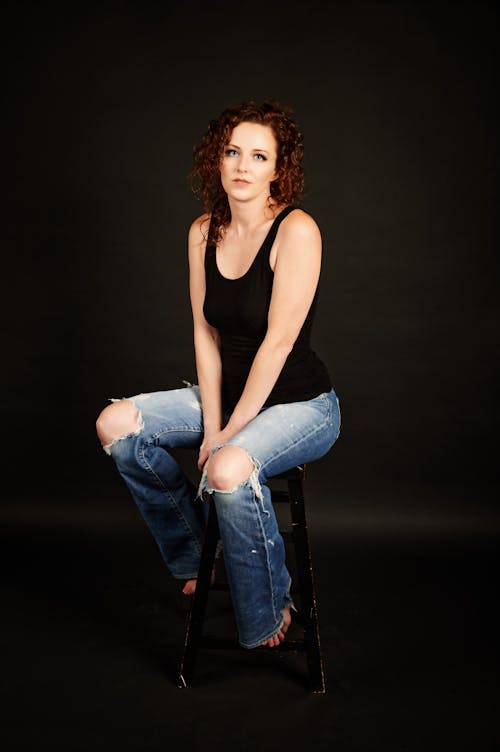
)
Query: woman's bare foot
[
  {"x": 275, "y": 640},
  {"x": 190, "y": 585}
]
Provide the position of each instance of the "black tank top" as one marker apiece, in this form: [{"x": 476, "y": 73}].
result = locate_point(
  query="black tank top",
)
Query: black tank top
[{"x": 238, "y": 309}]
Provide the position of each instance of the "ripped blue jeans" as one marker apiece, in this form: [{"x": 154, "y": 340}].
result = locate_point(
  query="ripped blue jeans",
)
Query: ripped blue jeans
[{"x": 277, "y": 439}]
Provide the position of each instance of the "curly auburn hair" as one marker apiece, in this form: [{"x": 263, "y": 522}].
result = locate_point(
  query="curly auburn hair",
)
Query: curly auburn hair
[{"x": 205, "y": 173}]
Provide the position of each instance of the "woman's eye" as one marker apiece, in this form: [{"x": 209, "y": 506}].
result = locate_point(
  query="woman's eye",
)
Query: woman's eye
[{"x": 234, "y": 152}]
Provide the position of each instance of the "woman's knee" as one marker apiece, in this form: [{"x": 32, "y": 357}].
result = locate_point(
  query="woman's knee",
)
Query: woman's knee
[
  {"x": 116, "y": 420},
  {"x": 228, "y": 467}
]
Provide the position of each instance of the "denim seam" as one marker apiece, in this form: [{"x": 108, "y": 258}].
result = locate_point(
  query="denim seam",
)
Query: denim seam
[
  {"x": 171, "y": 429},
  {"x": 181, "y": 517},
  {"x": 340, "y": 417},
  {"x": 266, "y": 548},
  {"x": 279, "y": 623}
]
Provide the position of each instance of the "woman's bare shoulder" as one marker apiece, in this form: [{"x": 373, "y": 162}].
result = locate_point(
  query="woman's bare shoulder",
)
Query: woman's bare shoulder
[
  {"x": 300, "y": 222},
  {"x": 198, "y": 229}
]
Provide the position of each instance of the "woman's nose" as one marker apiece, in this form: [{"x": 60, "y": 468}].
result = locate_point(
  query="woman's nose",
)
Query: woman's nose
[{"x": 243, "y": 164}]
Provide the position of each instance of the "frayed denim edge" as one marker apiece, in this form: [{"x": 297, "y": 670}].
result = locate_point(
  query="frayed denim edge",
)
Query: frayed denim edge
[
  {"x": 253, "y": 479},
  {"x": 107, "y": 447}
]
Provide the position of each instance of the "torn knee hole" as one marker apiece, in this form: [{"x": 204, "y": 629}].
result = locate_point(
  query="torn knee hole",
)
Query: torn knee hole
[
  {"x": 119, "y": 421},
  {"x": 232, "y": 467},
  {"x": 214, "y": 485}
]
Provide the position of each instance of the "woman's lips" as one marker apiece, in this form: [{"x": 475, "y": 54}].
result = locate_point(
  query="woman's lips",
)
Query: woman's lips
[{"x": 240, "y": 180}]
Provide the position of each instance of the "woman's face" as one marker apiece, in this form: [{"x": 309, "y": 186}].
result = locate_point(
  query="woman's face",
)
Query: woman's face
[{"x": 248, "y": 164}]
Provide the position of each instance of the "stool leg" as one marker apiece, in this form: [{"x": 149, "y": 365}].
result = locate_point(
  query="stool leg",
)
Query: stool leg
[
  {"x": 196, "y": 616},
  {"x": 307, "y": 587}
]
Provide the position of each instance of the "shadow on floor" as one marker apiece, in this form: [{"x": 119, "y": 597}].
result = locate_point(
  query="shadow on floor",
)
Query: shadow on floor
[{"x": 93, "y": 629}]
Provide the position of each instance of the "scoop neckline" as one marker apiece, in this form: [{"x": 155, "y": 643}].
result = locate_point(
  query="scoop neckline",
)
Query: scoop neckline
[{"x": 235, "y": 279}]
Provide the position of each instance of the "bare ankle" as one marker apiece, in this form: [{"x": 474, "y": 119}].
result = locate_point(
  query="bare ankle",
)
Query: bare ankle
[{"x": 190, "y": 585}]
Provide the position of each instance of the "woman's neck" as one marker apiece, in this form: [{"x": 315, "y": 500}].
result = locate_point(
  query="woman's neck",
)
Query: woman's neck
[{"x": 248, "y": 216}]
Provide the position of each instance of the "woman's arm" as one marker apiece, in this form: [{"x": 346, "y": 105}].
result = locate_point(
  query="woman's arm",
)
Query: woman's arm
[
  {"x": 296, "y": 277},
  {"x": 206, "y": 338}
]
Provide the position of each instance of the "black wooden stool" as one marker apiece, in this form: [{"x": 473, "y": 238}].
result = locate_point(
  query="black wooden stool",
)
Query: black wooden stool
[{"x": 306, "y": 615}]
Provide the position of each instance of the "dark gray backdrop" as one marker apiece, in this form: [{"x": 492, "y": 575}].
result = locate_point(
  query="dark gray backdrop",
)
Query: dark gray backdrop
[{"x": 397, "y": 103}]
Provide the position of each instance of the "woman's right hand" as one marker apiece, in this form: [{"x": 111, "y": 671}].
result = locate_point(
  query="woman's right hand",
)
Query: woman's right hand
[
  {"x": 205, "y": 450},
  {"x": 210, "y": 440},
  {"x": 204, "y": 454}
]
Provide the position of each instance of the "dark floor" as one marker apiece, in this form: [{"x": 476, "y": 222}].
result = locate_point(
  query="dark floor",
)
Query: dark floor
[{"x": 93, "y": 628}]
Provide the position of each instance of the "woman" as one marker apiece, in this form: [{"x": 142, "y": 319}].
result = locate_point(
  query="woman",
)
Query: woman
[{"x": 264, "y": 401}]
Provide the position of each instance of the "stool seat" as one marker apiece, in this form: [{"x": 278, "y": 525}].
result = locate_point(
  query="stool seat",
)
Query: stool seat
[{"x": 306, "y": 615}]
